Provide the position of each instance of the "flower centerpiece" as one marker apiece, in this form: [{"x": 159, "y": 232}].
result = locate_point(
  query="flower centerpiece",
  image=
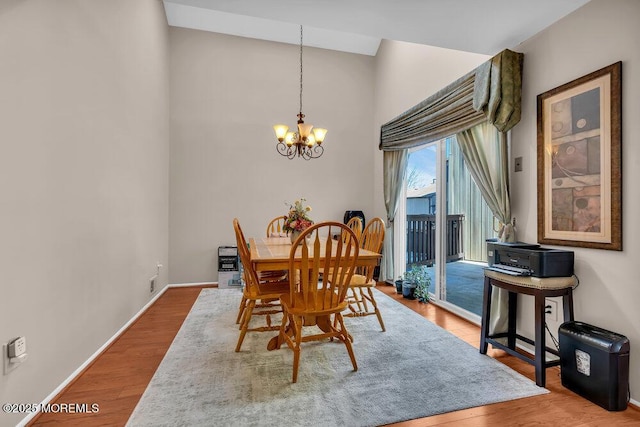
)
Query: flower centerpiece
[{"x": 297, "y": 219}]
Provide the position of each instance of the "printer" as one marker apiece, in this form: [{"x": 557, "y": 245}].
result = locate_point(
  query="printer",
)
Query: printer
[{"x": 526, "y": 259}]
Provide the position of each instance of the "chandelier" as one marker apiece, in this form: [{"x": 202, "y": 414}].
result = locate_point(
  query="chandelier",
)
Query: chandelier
[{"x": 307, "y": 141}]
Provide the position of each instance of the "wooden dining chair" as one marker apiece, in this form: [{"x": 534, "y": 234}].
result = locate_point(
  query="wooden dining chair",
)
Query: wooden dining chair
[
  {"x": 362, "y": 283},
  {"x": 315, "y": 298},
  {"x": 355, "y": 225},
  {"x": 276, "y": 227},
  {"x": 258, "y": 297}
]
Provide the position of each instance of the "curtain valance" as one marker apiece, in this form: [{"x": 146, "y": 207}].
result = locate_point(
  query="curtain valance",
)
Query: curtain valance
[{"x": 491, "y": 92}]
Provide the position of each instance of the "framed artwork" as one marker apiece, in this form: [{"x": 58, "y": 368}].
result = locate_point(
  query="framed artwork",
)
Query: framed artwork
[{"x": 579, "y": 162}]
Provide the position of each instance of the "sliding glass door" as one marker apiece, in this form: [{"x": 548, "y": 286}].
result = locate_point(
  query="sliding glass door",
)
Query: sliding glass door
[{"x": 447, "y": 224}]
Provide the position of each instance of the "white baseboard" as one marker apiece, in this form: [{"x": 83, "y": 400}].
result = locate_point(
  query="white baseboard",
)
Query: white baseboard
[{"x": 185, "y": 285}]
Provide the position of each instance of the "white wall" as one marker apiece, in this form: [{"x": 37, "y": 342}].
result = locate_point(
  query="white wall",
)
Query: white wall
[
  {"x": 226, "y": 94},
  {"x": 596, "y": 35},
  {"x": 83, "y": 178}
]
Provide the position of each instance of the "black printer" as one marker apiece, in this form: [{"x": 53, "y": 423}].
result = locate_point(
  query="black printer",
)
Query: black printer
[{"x": 526, "y": 259}]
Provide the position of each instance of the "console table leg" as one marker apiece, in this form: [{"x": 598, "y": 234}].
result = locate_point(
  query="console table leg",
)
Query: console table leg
[
  {"x": 540, "y": 346},
  {"x": 567, "y": 306},
  {"x": 512, "y": 319},
  {"x": 486, "y": 313}
]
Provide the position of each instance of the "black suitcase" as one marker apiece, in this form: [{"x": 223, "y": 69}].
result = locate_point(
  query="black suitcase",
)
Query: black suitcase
[{"x": 594, "y": 363}]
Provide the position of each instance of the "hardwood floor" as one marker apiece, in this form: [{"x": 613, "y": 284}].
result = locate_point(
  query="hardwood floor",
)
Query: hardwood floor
[
  {"x": 117, "y": 379},
  {"x": 119, "y": 376}
]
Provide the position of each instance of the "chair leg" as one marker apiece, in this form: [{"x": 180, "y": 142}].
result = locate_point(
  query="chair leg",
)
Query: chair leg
[
  {"x": 357, "y": 299},
  {"x": 335, "y": 322},
  {"x": 297, "y": 327},
  {"x": 246, "y": 318},
  {"x": 363, "y": 301},
  {"x": 241, "y": 309},
  {"x": 243, "y": 313},
  {"x": 376, "y": 309},
  {"x": 344, "y": 337}
]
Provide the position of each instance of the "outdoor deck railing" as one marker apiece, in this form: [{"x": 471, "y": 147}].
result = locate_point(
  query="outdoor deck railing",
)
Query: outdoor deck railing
[{"x": 421, "y": 239}]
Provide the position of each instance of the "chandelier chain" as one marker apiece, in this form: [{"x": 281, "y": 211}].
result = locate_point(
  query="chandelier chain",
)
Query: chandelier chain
[{"x": 300, "y": 69}]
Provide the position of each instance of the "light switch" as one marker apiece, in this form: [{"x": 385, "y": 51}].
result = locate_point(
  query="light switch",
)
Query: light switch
[{"x": 518, "y": 164}]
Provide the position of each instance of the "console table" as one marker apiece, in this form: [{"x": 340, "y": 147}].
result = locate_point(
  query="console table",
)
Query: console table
[{"x": 540, "y": 288}]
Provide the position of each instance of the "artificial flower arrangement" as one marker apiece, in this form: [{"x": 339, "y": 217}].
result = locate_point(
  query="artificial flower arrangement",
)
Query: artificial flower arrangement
[{"x": 298, "y": 218}]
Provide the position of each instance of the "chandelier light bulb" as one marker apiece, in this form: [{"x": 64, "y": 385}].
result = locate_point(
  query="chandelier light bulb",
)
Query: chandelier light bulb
[
  {"x": 304, "y": 130},
  {"x": 290, "y": 138},
  {"x": 311, "y": 140},
  {"x": 319, "y": 134},
  {"x": 281, "y": 131}
]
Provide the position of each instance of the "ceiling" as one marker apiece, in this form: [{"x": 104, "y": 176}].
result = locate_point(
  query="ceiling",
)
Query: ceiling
[{"x": 358, "y": 26}]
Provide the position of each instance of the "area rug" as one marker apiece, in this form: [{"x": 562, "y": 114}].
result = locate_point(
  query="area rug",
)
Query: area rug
[{"x": 414, "y": 369}]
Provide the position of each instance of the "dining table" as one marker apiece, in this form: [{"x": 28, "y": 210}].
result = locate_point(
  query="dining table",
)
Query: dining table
[{"x": 272, "y": 254}]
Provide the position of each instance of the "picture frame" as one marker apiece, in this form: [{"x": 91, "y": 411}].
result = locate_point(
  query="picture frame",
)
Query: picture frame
[{"x": 579, "y": 154}]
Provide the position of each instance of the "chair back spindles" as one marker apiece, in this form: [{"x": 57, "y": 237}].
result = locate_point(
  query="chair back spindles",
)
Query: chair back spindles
[
  {"x": 355, "y": 225},
  {"x": 251, "y": 278},
  {"x": 321, "y": 253},
  {"x": 275, "y": 228},
  {"x": 372, "y": 240},
  {"x": 373, "y": 236}
]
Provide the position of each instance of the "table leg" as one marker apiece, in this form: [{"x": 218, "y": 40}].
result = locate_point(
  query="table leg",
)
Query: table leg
[
  {"x": 486, "y": 313},
  {"x": 567, "y": 306},
  {"x": 275, "y": 342},
  {"x": 540, "y": 346},
  {"x": 512, "y": 319}
]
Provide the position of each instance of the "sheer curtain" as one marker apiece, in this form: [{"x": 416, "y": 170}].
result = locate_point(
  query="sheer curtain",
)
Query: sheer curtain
[
  {"x": 484, "y": 149},
  {"x": 485, "y": 153},
  {"x": 395, "y": 166}
]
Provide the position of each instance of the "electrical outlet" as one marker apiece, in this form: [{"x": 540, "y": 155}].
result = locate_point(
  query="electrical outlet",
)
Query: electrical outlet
[
  {"x": 551, "y": 309},
  {"x": 18, "y": 347},
  {"x": 152, "y": 280},
  {"x": 14, "y": 353}
]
